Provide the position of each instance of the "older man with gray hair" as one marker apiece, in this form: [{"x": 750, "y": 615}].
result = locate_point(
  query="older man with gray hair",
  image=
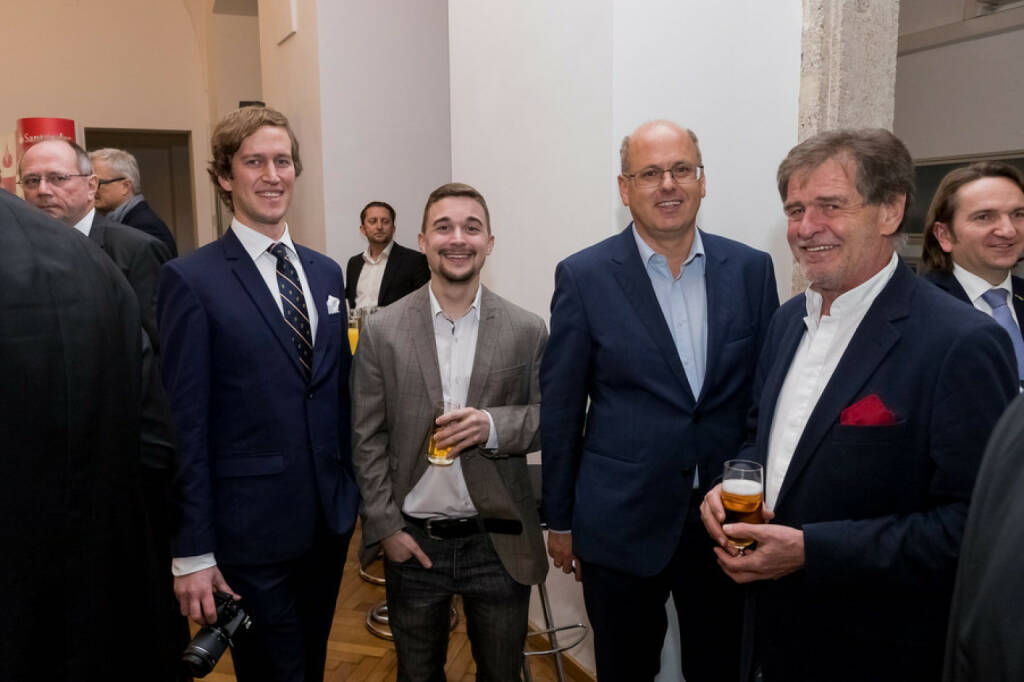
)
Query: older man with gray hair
[{"x": 119, "y": 194}]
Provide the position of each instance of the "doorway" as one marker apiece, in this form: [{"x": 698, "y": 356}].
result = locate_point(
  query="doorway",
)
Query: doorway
[{"x": 165, "y": 164}]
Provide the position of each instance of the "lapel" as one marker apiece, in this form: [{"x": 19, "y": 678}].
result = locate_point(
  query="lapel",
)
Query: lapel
[
  {"x": 1018, "y": 300},
  {"x": 390, "y": 267},
  {"x": 720, "y": 288},
  {"x": 318, "y": 290},
  {"x": 870, "y": 344},
  {"x": 424, "y": 349},
  {"x": 98, "y": 231},
  {"x": 788, "y": 343},
  {"x": 245, "y": 270},
  {"x": 487, "y": 340},
  {"x": 947, "y": 281},
  {"x": 631, "y": 275}
]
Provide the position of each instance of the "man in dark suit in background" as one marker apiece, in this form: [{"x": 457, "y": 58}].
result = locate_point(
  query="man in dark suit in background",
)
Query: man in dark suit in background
[
  {"x": 256, "y": 363},
  {"x": 386, "y": 271},
  {"x": 986, "y": 617},
  {"x": 74, "y": 533},
  {"x": 874, "y": 396},
  {"x": 973, "y": 236},
  {"x": 119, "y": 195},
  {"x": 659, "y": 327},
  {"x": 57, "y": 177}
]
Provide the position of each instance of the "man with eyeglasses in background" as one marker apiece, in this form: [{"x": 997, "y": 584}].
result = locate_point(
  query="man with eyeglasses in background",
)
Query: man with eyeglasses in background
[
  {"x": 119, "y": 195},
  {"x": 659, "y": 327}
]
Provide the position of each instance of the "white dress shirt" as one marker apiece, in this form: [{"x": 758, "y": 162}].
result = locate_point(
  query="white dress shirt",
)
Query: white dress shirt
[
  {"x": 85, "y": 224},
  {"x": 256, "y": 245},
  {"x": 441, "y": 491},
  {"x": 370, "y": 277},
  {"x": 976, "y": 286},
  {"x": 821, "y": 348}
]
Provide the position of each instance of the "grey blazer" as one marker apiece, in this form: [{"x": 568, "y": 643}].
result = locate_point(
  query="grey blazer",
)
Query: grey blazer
[{"x": 396, "y": 379}]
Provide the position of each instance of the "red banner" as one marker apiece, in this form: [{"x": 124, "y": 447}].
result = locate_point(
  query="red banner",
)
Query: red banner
[{"x": 31, "y": 130}]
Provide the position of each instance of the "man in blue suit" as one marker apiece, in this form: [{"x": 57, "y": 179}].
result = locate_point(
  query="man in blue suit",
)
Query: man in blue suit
[
  {"x": 659, "y": 327},
  {"x": 256, "y": 362},
  {"x": 874, "y": 397}
]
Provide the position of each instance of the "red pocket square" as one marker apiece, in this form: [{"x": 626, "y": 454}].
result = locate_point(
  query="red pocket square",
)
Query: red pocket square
[{"x": 869, "y": 411}]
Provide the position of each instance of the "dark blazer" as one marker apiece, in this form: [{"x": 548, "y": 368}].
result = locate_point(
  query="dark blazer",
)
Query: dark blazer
[
  {"x": 74, "y": 530},
  {"x": 262, "y": 453},
  {"x": 405, "y": 272},
  {"x": 142, "y": 217},
  {"x": 140, "y": 258},
  {"x": 882, "y": 508},
  {"x": 948, "y": 282},
  {"x": 623, "y": 483},
  {"x": 986, "y": 619}
]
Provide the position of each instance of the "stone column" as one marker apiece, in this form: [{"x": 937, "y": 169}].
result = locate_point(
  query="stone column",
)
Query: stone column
[{"x": 847, "y": 69}]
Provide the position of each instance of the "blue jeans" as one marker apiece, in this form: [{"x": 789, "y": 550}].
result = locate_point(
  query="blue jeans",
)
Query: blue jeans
[{"x": 419, "y": 601}]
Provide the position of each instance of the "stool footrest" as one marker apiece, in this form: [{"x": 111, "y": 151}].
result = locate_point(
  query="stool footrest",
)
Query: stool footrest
[{"x": 579, "y": 627}]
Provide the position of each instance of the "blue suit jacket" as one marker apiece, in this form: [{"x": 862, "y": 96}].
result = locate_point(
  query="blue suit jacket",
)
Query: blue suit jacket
[
  {"x": 621, "y": 475},
  {"x": 262, "y": 453},
  {"x": 882, "y": 508}
]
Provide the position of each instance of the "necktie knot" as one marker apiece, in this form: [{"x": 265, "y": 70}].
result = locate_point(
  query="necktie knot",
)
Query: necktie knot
[
  {"x": 996, "y": 298},
  {"x": 279, "y": 251}
]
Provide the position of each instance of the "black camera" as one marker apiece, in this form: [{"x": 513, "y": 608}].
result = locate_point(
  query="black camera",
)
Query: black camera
[{"x": 206, "y": 648}]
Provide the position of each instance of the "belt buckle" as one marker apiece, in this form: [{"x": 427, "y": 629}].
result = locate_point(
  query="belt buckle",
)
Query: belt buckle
[{"x": 430, "y": 531}]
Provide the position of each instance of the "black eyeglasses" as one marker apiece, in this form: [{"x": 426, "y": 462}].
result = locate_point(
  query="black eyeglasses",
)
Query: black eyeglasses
[
  {"x": 55, "y": 179},
  {"x": 107, "y": 182}
]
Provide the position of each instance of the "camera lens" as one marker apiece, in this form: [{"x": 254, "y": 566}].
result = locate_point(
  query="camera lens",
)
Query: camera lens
[{"x": 204, "y": 651}]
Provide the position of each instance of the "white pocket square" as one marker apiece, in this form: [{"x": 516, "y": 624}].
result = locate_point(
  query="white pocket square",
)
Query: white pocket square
[{"x": 333, "y": 305}]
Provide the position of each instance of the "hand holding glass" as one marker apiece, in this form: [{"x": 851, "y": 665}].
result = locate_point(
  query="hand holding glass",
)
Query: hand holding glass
[
  {"x": 742, "y": 492},
  {"x": 436, "y": 455}
]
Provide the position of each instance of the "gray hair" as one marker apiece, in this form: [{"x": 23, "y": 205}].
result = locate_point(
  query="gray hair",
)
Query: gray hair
[
  {"x": 122, "y": 163},
  {"x": 624, "y": 148},
  {"x": 885, "y": 170},
  {"x": 81, "y": 156}
]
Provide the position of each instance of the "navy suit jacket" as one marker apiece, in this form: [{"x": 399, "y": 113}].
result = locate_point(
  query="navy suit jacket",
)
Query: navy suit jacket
[
  {"x": 263, "y": 454},
  {"x": 621, "y": 475},
  {"x": 882, "y": 508},
  {"x": 948, "y": 282},
  {"x": 405, "y": 272},
  {"x": 142, "y": 217}
]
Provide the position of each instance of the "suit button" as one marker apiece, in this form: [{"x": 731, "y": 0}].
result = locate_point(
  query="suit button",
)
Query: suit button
[
  {"x": 695, "y": 418},
  {"x": 309, "y": 395}
]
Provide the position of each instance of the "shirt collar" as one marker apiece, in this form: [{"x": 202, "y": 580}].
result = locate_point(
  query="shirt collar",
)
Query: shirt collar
[
  {"x": 435, "y": 307},
  {"x": 976, "y": 286},
  {"x": 128, "y": 204},
  {"x": 85, "y": 224},
  {"x": 647, "y": 253},
  {"x": 859, "y": 297},
  {"x": 256, "y": 243},
  {"x": 383, "y": 254}
]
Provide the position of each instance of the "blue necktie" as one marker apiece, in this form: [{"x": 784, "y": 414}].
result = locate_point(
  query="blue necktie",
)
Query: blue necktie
[
  {"x": 1001, "y": 313},
  {"x": 294, "y": 305}
]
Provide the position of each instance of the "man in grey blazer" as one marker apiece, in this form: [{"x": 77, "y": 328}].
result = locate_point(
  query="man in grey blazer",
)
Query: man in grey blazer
[{"x": 469, "y": 527}]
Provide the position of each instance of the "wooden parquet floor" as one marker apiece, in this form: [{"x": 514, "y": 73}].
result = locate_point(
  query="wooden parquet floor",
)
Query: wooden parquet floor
[{"x": 354, "y": 655}]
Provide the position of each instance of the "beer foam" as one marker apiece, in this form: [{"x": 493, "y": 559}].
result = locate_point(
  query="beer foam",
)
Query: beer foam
[{"x": 741, "y": 486}]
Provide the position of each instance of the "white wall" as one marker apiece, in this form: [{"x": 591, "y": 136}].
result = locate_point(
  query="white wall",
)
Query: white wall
[
  {"x": 543, "y": 92},
  {"x": 109, "y": 64},
  {"x": 234, "y": 62},
  {"x": 384, "y": 103},
  {"x": 962, "y": 99}
]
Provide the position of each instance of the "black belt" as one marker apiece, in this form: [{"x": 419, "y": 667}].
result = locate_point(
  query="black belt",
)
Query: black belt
[{"x": 447, "y": 529}]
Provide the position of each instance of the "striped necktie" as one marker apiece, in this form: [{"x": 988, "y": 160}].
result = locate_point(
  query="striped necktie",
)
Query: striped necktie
[
  {"x": 294, "y": 306},
  {"x": 1001, "y": 313}
]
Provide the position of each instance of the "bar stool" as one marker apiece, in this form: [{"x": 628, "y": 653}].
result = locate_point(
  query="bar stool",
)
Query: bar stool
[{"x": 579, "y": 629}]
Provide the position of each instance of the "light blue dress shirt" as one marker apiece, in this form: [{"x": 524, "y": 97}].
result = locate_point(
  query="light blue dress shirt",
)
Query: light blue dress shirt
[{"x": 684, "y": 304}]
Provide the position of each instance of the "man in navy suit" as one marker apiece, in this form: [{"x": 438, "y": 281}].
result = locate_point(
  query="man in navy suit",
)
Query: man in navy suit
[
  {"x": 973, "y": 236},
  {"x": 659, "y": 327},
  {"x": 874, "y": 396},
  {"x": 256, "y": 363},
  {"x": 386, "y": 271}
]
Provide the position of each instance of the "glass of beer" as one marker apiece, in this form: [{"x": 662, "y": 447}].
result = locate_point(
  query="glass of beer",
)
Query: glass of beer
[
  {"x": 742, "y": 490},
  {"x": 436, "y": 455},
  {"x": 354, "y": 322}
]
